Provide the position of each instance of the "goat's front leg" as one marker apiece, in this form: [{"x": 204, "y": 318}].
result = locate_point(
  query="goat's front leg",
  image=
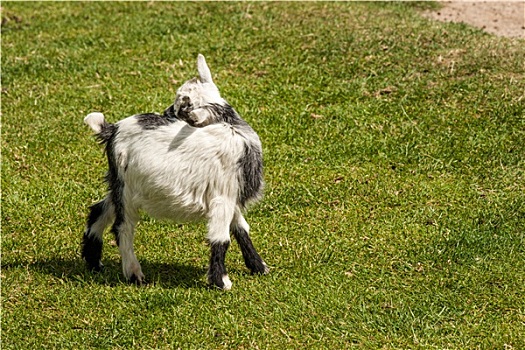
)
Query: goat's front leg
[
  {"x": 220, "y": 216},
  {"x": 252, "y": 259},
  {"x": 124, "y": 231}
]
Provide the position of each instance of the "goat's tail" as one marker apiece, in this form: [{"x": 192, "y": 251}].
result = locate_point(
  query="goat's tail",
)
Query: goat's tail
[
  {"x": 95, "y": 121},
  {"x": 98, "y": 124}
]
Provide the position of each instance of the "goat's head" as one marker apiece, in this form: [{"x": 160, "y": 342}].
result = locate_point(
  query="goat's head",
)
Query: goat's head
[{"x": 196, "y": 95}]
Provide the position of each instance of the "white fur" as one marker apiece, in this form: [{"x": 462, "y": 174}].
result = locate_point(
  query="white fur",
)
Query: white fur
[
  {"x": 227, "y": 282},
  {"x": 199, "y": 116},
  {"x": 204, "y": 71},
  {"x": 95, "y": 120}
]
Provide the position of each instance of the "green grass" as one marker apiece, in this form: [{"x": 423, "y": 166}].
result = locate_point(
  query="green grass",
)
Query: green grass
[{"x": 394, "y": 211}]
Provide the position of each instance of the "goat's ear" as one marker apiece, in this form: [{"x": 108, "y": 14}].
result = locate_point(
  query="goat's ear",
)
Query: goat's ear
[
  {"x": 204, "y": 71},
  {"x": 200, "y": 117}
]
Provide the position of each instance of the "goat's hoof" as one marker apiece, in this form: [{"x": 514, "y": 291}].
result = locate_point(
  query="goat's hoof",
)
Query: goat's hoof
[
  {"x": 222, "y": 283},
  {"x": 260, "y": 269},
  {"x": 95, "y": 267},
  {"x": 138, "y": 280},
  {"x": 227, "y": 284}
]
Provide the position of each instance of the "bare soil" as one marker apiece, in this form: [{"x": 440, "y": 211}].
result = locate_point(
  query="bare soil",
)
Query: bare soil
[{"x": 504, "y": 18}]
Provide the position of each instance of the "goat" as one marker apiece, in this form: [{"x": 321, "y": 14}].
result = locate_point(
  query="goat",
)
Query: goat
[{"x": 199, "y": 160}]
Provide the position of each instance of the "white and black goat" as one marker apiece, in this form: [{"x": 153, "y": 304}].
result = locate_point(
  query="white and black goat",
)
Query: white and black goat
[{"x": 197, "y": 161}]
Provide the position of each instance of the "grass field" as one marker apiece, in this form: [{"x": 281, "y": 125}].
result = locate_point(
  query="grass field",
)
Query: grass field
[{"x": 394, "y": 214}]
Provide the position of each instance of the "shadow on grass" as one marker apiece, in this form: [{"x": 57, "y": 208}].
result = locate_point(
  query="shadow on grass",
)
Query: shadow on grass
[{"x": 169, "y": 275}]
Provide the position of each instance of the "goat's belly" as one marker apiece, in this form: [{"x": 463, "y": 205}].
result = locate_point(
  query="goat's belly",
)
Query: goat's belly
[
  {"x": 178, "y": 215},
  {"x": 173, "y": 208}
]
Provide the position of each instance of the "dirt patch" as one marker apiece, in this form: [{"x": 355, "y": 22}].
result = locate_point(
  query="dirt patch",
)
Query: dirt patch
[{"x": 497, "y": 17}]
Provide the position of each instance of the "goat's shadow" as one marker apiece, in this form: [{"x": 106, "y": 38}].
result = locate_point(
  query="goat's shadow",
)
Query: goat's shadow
[
  {"x": 168, "y": 275},
  {"x": 185, "y": 132}
]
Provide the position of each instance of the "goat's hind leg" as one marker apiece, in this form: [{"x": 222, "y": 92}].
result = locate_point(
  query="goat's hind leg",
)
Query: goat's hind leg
[
  {"x": 124, "y": 231},
  {"x": 100, "y": 216},
  {"x": 240, "y": 230}
]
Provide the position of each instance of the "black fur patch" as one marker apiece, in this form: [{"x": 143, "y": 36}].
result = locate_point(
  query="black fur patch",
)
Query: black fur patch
[
  {"x": 170, "y": 112},
  {"x": 115, "y": 184},
  {"x": 91, "y": 244},
  {"x": 92, "y": 251},
  {"x": 251, "y": 181},
  {"x": 151, "y": 121},
  {"x": 97, "y": 210},
  {"x": 185, "y": 109},
  {"x": 217, "y": 267},
  {"x": 115, "y": 229},
  {"x": 225, "y": 113},
  {"x": 252, "y": 259},
  {"x": 108, "y": 131}
]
